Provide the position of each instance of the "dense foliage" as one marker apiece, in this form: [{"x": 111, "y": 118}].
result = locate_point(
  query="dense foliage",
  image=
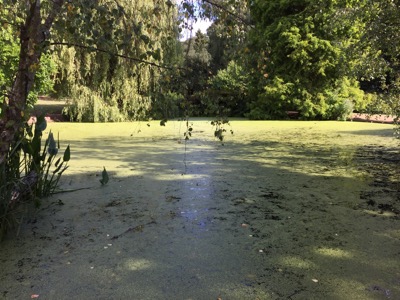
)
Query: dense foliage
[
  {"x": 380, "y": 67},
  {"x": 228, "y": 91},
  {"x": 44, "y": 79},
  {"x": 112, "y": 73},
  {"x": 322, "y": 58},
  {"x": 301, "y": 49}
]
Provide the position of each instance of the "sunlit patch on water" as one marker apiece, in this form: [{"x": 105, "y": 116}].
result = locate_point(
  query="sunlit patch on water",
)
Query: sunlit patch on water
[
  {"x": 338, "y": 253},
  {"x": 138, "y": 264},
  {"x": 297, "y": 262}
]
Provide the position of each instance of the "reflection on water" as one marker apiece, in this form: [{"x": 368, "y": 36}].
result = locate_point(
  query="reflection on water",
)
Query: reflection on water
[{"x": 197, "y": 200}]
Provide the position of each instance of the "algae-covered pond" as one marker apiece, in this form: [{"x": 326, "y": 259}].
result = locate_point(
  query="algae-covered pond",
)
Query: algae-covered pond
[{"x": 280, "y": 210}]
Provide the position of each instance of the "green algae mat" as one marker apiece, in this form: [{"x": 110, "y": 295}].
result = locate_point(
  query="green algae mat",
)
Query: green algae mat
[{"x": 278, "y": 210}]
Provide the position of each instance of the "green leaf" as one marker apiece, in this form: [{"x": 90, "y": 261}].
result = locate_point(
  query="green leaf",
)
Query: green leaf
[
  {"x": 169, "y": 3},
  {"x": 52, "y": 148},
  {"x": 104, "y": 177},
  {"x": 57, "y": 162},
  {"x": 145, "y": 38},
  {"x": 67, "y": 154},
  {"x": 41, "y": 123},
  {"x": 156, "y": 54},
  {"x": 58, "y": 168}
]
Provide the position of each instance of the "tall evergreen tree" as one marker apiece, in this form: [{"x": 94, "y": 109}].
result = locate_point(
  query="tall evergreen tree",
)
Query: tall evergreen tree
[
  {"x": 300, "y": 58},
  {"x": 379, "y": 66}
]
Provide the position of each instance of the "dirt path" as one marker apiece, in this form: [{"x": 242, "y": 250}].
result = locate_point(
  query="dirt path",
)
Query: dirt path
[
  {"x": 282, "y": 211},
  {"x": 376, "y": 118}
]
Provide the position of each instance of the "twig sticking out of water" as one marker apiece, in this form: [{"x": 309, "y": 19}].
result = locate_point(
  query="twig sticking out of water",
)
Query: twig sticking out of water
[{"x": 138, "y": 228}]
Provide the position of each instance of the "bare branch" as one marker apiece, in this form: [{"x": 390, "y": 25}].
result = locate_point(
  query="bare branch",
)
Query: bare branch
[{"x": 236, "y": 16}]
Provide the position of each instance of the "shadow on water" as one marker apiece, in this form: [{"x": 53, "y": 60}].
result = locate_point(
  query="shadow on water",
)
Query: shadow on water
[
  {"x": 387, "y": 131},
  {"x": 249, "y": 220}
]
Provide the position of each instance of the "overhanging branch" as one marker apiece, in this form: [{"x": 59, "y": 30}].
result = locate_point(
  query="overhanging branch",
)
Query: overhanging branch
[
  {"x": 95, "y": 49},
  {"x": 236, "y": 16}
]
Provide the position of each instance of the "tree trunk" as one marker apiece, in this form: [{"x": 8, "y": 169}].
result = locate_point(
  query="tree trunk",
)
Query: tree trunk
[{"x": 33, "y": 35}]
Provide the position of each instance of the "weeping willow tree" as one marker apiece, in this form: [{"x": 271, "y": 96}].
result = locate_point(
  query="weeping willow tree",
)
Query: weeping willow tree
[
  {"x": 113, "y": 73},
  {"x": 109, "y": 55}
]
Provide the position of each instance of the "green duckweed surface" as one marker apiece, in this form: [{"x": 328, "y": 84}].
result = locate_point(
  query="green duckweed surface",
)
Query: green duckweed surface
[{"x": 279, "y": 210}]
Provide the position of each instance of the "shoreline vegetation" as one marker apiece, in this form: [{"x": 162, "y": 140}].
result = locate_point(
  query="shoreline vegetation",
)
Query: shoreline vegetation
[{"x": 53, "y": 111}]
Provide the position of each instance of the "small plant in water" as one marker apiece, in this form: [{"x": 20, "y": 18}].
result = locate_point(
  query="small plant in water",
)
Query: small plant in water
[
  {"x": 44, "y": 163},
  {"x": 104, "y": 177},
  {"x": 220, "y": 130},
  {"x": 188, "y": 133}
]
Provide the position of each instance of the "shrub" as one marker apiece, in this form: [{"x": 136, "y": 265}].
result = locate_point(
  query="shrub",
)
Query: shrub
[
  {"x": 168, "y": 105},
  {"x": 228, "y": 92},
  {"x": 273, "y": 102},
  {"x": 342, "y": 110}
]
